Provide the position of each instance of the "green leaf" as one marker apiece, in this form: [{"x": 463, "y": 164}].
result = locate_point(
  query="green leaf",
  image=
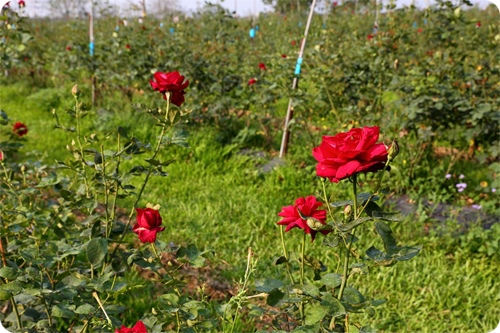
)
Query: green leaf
[
  {"x": 407, "y": 252},
  {"x": 62, "y": 311},
  {"x": 352, "y": 296},
  {"x": 267, "y": 285},
  {"x": 331, "y": 241},
  {"x": 85, "y": 309},
  {"x": 179, "y": 138},
  {"x": 97, "y": 249},
  {"x": 387, "y": 216},
  {"x": 310, "y": 290},
  {"x": 274, "y": 297},
  {"x": 315, "y": 313},
  {"x": 334, "y": 306},
  {"x": 351, "y": 225},
  {"x": 386, "y": 233},
  {"x": 8, "y": 273},
  {"x": 332, "y": 280},
  {"x": 5, "y": 295}
]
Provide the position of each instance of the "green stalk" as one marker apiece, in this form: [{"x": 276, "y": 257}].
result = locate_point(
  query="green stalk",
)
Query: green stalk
[
  {"x": 106, "y": 198},
  {"x": 80, "y": 146},
  {"x": 16, "y": 311},
  {"x": 302, "y": 261},
  {"x": 113, "y": 205},
  {"x": 348, "y": 251},
  {"x": 150, "y": 170},
  {"x": 285, "y": 253}
]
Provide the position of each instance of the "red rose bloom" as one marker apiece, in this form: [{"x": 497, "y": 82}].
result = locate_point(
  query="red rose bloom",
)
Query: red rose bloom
[
  {"x": 2, "y": 156},
  {"x": 308, "y": 208},
  {"x": 420, "y": 30},
  {"x": 148, "y": 224},
  {"x": 251, "y": 81},
  {"x": 294, "y": 42},
  {"x": 171, "y": 82},
  {"x": 127, "y": 47},
  {"x": 138, "y": 328},
  {"x": 68, "y": 48},
  {"x": 262, "y": 66},
  {"x": 478, "y": 24},
  {"x": 21, "y": 4},
  {"x": 20, "y": 129},
  {"x": 370, "y": 37},
  {"x": 347, "y": 154},
  {"x": 283, "y": 56}
]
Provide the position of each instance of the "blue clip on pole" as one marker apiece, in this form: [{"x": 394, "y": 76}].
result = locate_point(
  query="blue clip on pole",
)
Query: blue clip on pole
[{"x": 297, "y": 66}]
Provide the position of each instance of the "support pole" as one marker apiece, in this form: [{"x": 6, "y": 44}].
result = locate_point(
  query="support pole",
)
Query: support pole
[
  {"x": 91, "y": 49},
  {"x": 289, "y": 112}
]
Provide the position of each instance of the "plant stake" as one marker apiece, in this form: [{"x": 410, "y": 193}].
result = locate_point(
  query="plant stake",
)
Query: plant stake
[{"x": 289, "y": 112}]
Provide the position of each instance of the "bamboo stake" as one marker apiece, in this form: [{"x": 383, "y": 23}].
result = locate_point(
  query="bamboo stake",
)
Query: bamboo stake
[{"x": 289, "y": 112}]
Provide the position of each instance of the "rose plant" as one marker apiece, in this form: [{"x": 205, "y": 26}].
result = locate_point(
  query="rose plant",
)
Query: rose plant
[
  {"x": 322, "y": 299},
  {"x": 69, "y": 275}
]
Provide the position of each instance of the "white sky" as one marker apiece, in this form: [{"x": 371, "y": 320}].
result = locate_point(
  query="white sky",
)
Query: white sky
[{"x": 243, "y": 7}]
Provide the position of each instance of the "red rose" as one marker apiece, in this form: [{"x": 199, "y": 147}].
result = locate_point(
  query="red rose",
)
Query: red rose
[
  {"x": 127, "y": 47},
  {"x": 346, "y": 154},
  {"x": 251, "y": 81},
  {"x": 262, "y": 66},
  {"x": 138, "y": 328},
  {"x": 68, "y": 48},
  {"x": 171, "y": 82},
  {"x": 294, "y": 42},
  {"x": 2, "y": 155},
  {"x": 148, "y": 224},
  {"x": 308, "y": 208},
  {"x": 420, "y": 30},
  {"x": 283, "y": 56},
  {"x": 370, "y": 37},
  {"x": 21, "y": 4},
  {"x": 20, "y": 129},
  {"x": 478, "y": 24}
]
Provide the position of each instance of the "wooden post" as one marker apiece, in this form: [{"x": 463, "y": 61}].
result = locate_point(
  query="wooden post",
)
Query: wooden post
[{"x": 289, "y": 113}]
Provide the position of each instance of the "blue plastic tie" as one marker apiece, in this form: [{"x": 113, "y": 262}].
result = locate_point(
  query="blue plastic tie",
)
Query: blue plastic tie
[
  {"x": 257, "y": 28},
  {"x": 91, "y": 48},
  {"x": 172, "y": 30},
  {"x": 161, "y": 25},
  {"x": 252, "y": 33}
]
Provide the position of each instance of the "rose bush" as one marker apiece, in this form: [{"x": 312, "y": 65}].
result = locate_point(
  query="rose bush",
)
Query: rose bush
[
  {"x": 171, "y": 82},
  {"x": 148, "y": 224},
  {"x": 349, "y": 153},
  {"x": 304, "y": 209}
]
